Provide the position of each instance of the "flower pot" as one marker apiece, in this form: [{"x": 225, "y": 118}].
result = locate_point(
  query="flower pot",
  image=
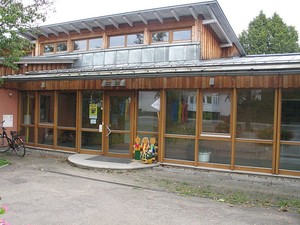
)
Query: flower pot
[{"x": 204, "y": 156}]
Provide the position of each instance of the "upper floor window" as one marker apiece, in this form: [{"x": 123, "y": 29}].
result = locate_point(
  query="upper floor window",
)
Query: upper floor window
[
  {"x": 171, "y": 36},
  {"x": 80, "y": 45},
  {"x": 126, "y": 40},
  {"x": 182, "y": 35},
  {"x": 161, "y": 36},
  {"x": 117, "y": 41},
  {"x": 135, "y": 39},
  {"x": 87, "y": 44},
  {"x": 49, "y": 48},
  {"x": 95, "y": 43},
  {"x": 61, "y": 47},
  {"x": 55, "y": 47}
]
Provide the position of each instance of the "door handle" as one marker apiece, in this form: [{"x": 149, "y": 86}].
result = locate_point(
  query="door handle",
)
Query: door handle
[{"x": 109, "y": 131}]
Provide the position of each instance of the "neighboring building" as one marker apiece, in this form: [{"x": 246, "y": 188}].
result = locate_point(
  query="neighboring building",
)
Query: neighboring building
[{"x": 176, "y": 73}]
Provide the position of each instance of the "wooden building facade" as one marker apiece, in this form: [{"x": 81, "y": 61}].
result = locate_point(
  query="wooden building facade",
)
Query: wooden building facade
[{"x": 178, "y": 74}]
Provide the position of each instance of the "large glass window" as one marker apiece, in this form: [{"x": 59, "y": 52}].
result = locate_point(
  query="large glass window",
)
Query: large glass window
[
  {"x": 253, "y": 154},
  {"x": 91, "y": 109},
  {"x": 66, "y": 138},
  {"x": 216, "y": 112},
  {"x": 290, "y": 130},
  {"x": 46, "y": 108},
  {"x": 27, "y": 110},
  {"x": 91, "y": 140},
  {"x": 67, "y": 109},
  {"x": 45, "y": 136},
  {"x": 214, "y": 151},
  {"x": 149, "y": 104},
  {"x": 255, "y": 114},
  {"x": 181, "y": 112},
  {"x": 180, "y": 149}
]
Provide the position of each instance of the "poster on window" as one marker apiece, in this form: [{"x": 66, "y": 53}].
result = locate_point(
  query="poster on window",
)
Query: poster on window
[{"x": 93, "y": 111}]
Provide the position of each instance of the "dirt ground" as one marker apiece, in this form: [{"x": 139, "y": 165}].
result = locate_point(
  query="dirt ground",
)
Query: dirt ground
[{"x": 255, "y": 192}]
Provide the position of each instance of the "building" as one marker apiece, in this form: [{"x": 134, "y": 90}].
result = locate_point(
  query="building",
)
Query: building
[{"x": 177, "y": 73}]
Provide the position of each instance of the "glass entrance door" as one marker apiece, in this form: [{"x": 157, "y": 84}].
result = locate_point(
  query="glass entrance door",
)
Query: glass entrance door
[{"x": 118, "y": 124}]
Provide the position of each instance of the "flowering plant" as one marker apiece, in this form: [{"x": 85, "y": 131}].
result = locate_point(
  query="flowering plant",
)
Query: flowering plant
[{"x": 3, "y": 209}]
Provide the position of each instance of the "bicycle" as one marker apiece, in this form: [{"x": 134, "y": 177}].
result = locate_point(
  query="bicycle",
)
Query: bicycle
[{"x": 15, "y": 142}]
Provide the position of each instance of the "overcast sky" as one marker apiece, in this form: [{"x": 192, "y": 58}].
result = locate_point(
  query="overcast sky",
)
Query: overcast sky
[{"x": 238, "y": 12}]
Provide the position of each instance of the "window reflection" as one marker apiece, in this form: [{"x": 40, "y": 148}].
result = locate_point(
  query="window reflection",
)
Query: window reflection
[
  {"x": 61, "y": 47},
  {"x": 182, "y": 35},
  {"x": 148, "y": 114},
  {"x": 67, "y": 109},
  {"x": 117, "y": 41},
  {"x": 49, "y": 48},
  {"x": 47, "y": 108},
  {"x": 253, "y": 154},
  {"x": 28, "y": 104},
  {"x": 180, "y": 149},
  {"x": 91, "y": 109},
  {"x": 95, "y": 43},
  {"x": 255, "y": 114},
  {"x": 162, "y": 36},
  {"x": 135, "y": 39},
  {"x": 290, "y": 130},
  {"x": 290, "y": 119},
  {"x": 216, "y": 112},
  {"x": 181, "y": 113},
  {"x": 80, "y": 45}
]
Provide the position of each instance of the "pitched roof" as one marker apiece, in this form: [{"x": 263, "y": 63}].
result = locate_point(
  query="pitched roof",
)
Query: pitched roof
[{"x": 210, "y": 11}]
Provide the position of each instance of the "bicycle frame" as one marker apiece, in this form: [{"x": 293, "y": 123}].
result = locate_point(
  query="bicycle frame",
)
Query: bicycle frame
[{"x": 15, "y": 142}]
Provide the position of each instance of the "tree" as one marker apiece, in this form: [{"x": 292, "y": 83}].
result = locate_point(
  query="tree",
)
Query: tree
[
  {"x": 15, "y": 17},
  {"x": 269, "y": 36}
]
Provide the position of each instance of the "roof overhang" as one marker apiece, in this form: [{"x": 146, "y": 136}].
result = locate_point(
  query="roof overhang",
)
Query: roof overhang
[
  {"x": 239, "y": 66},
  {"x": 210, "y": 11}
]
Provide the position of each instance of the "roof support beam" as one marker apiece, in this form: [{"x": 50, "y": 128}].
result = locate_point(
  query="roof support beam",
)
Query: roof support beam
[
  {"x": 143, "y": 19},
  {"x": 75, "y": 28},
  {"x": 53, "y": 31},
  {"x": 63, "y": 29},
  {"x": 100, "y": 24},
  {"x": 114, "y": 22},
  {"x": 43, "y": 33},
  {"x": 210, "y": 21},
  {"x": 175, "y": 15},
  {"x": 31, "y": 34},
  {"x": 229, "y": 43},
  {"x": 87, "y": 26},
  {"x": 159, "y": 17},
  {"x": 128, "y": 21},
  {"x": 194, "y": 14}
]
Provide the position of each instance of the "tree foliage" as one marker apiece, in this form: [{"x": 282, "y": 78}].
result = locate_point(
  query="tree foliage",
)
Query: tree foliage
[
  {"x": 269, "y": 36},
  {"x": 17, "y": 16}
]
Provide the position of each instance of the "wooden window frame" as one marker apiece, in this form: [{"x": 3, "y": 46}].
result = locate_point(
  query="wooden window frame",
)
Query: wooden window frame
[
  {"x": 125, "y": 40},
  {"x": 171, "y": 36},
  {"x": 54, "y": 48}
]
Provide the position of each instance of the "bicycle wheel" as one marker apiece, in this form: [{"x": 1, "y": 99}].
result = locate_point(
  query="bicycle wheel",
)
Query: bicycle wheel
[
  {"x": 19, "y": 147},
  {"x": 4, "y": 144}
]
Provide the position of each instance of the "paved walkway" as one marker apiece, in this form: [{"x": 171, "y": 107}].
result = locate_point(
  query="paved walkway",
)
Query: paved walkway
[{"x": 102, "y": 162}]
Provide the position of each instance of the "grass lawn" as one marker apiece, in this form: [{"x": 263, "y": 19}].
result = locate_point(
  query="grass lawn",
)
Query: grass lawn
[{"x": 3, "y": 162}]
